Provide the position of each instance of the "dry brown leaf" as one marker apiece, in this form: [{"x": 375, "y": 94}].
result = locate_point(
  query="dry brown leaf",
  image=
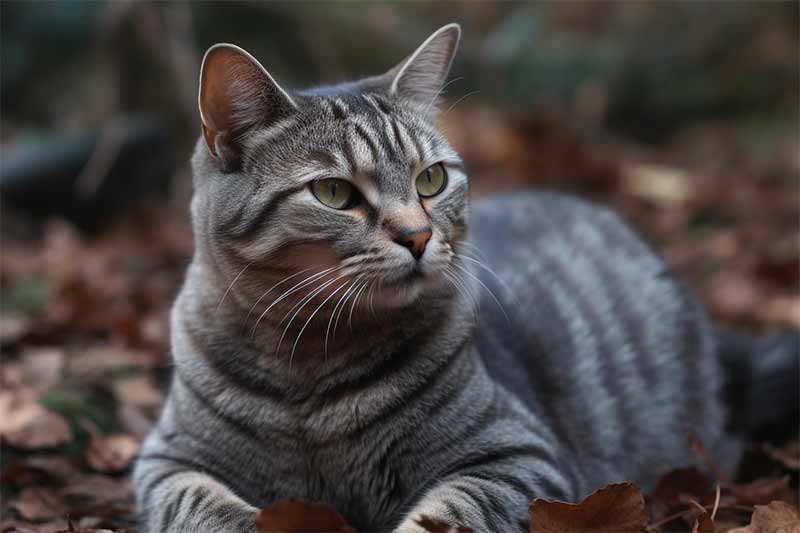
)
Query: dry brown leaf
[
  {"x": 19, "y": 526},
  {"x": 703, "y": 524},
  {"x": 39, "y": 469},
  {"x": 788, "y": 456},
  {"x": 662, "y": 185},
  {"x": 295, "y": 516},
  {"x": 13, "y": 328},
  {"x": 25, "y": 423},
  {"x": 82, "y": 528},
  {"x": 777, "y": 517},
  {"x": 135, "y": 421},
  {"x": 38, "y": 504},
  {"x": 437, "y": 526},
  {"x": 43, "y": 365},
  {"x": 762, "y": 490},
  {"x": 111, "y": 453},
  {"x": 618, "y": 507},
  {"x": 137, "y": 391},
  {"x": 678, "y": 483},
  {"x": 84, "y": 531},
  {"x": 98, "y": 491},
  {"x": 100, "y": 359}
]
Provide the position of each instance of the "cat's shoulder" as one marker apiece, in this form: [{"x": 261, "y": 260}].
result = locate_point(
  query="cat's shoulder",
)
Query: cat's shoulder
[{"x": 532, "y": 206}]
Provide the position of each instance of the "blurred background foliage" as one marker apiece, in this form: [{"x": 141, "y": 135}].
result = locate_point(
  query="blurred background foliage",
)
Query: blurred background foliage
[
  {"x": 638, "y": 68},
  {"x": 683, "y": 116}
]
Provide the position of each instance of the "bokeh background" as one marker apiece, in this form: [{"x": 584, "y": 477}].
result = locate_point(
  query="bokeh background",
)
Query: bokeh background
[{"x": 681, "y": 115}]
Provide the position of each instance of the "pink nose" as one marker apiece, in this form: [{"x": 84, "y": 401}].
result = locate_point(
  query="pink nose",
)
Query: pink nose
[{"x": 414, "y": 240}]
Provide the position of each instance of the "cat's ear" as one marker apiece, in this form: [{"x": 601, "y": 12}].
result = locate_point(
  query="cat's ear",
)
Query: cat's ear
[
  {"x": 237, "y": 95},
  {"x": 420, "y": 77}
]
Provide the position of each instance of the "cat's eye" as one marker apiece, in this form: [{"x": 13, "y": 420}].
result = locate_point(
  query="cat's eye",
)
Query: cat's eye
[
  {"x": 431, "y": 181},
  {"x": 334, "y": 192}
]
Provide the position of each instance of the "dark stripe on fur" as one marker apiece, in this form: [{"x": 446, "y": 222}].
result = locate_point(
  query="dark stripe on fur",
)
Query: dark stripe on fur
[{"x": 370, "y": 142}]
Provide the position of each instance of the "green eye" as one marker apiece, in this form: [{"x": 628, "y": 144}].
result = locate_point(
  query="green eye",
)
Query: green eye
[
  {"x": 431, "y": 181},
  {"x": 334, "y": 192}
]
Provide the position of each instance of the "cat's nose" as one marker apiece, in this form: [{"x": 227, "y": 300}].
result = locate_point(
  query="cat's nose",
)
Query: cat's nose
[{"x": 415, "y": 240}]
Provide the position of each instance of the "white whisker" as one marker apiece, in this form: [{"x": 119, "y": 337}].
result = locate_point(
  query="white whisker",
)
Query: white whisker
[
  {"x": 463, "y": 288},
  {"x": 355, "y": 301},
  {"x": 343, "y": 298},
  {"x": 231, "y": 286},
  {"x": 294, "y": 289},
  {"x": 284, "y": 280},
  {"x": 297, "y": 340},
  {"x": 482, "y": 265},
  {"x": 341, "y": 310},
  {"x": 476, "y": 278},
  {"x": 438, "y": 93},
  {"x": 302, "y": 303},
  {"x": 459, "y": 100}
]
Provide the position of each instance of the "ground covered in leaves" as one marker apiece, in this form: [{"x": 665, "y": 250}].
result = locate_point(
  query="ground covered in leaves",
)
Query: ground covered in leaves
[{"x": 84, "y": 329}]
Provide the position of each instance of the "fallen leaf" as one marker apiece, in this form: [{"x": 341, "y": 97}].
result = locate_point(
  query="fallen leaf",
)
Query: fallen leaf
[
  {"x": 673, "y": 486},
  {"x": 111, "y": 453},
  {"x": 13, "y": 328},
  {"x": 703, "y": 523},
  {"x": 25, "y": 423},
  {"x": 137, "y": 391},
  {"x": 618, "y": 507},
  {"x": 665, "y": 186},
  {"x": 777, "y": 517},
  {"x": 296, "y": 515},
  {"x": 98, "y": 491},
  {"x": 760, "y": 491},
  {"x": 38, "y": 504},
  {"x": 18, "y": 526},
  {"x": 135, "y": 421},
  {"x": 39, "y": 469},
  {"x": 437, "y": 526},
  {"x": 95, "y": 361},
  {"x": 84, "y": 531},
  {"x": 10, "y": 374},
  {"x": 42, "y": 366},
  {"x": 788, "y": 456}
]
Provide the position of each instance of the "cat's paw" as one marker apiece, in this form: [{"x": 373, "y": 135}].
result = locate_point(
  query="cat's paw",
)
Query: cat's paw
[{"x": 426, "y": 524}]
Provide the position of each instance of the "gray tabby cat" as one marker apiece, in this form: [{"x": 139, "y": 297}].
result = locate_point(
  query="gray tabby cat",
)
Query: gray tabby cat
[{"x": 339, "y": 337}]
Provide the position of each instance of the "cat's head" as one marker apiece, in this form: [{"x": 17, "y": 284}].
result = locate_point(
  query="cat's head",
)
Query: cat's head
[{"x": 352, "y": 183}]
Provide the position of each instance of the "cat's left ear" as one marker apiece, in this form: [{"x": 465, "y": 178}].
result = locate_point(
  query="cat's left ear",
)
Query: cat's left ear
[
  {"x": 237, "y": 95},
  {"x": 420, "y": 77}
]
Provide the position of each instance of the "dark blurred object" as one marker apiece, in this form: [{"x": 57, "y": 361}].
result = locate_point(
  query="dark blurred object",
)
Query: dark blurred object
[{"x": 87, "y": 177}]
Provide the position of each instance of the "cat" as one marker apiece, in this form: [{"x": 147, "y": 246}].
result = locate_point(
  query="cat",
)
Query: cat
[{"x": 342, "y": 337}]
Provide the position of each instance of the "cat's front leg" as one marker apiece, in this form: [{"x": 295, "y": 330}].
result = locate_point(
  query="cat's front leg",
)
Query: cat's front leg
[
  {"x": 480, "y": 504},
  {"x": 175, "y": 499}
]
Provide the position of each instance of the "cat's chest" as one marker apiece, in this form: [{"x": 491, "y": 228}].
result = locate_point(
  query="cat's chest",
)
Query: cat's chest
[{"x": 365, "y": 480}]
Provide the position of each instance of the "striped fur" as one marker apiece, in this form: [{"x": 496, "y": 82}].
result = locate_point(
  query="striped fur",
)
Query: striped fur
[{"x": 545, "y": 354}]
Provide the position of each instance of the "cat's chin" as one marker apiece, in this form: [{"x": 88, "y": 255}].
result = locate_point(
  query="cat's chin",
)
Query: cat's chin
[{"x": 404, "y": 292}]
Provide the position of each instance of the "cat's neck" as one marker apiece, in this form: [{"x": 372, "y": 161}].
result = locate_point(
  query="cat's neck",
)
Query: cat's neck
[{"x": 309, "y": 358}]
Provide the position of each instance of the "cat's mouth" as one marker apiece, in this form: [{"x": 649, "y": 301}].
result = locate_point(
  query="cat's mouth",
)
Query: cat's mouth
[{"x": 412, "y": 276}]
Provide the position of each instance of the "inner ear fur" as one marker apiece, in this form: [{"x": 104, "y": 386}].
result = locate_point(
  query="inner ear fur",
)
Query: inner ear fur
[
  {"x": 237, "y": 95},
  {"x": 421, "y": 76}
]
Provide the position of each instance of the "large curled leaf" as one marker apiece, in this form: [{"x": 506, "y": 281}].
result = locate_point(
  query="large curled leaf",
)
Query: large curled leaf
[
  {"x": 291, "y": 516},
  {"x": 617, "y": 508},
  {"x": 777, "y": 517}
]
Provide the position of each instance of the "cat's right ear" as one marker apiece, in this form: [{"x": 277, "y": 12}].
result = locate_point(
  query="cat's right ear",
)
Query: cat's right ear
[{"x": 237, "y": 95}]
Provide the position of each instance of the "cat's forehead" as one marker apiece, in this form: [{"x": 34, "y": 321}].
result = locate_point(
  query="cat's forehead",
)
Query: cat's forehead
[{"x": 353, "y": 134}]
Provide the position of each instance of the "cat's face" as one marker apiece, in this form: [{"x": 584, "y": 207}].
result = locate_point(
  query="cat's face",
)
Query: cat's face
[{"x": 347, "y": 189}]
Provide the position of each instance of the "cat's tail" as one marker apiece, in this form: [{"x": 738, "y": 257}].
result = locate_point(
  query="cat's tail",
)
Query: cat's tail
[{"x": 763, "y": 383}]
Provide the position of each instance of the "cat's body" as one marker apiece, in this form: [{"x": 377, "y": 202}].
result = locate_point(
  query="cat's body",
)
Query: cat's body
[{"x": 587, "y": 364}]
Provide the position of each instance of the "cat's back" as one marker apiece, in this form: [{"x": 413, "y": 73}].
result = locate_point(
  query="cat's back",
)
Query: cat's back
[{"x": 592, "y": 317}]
